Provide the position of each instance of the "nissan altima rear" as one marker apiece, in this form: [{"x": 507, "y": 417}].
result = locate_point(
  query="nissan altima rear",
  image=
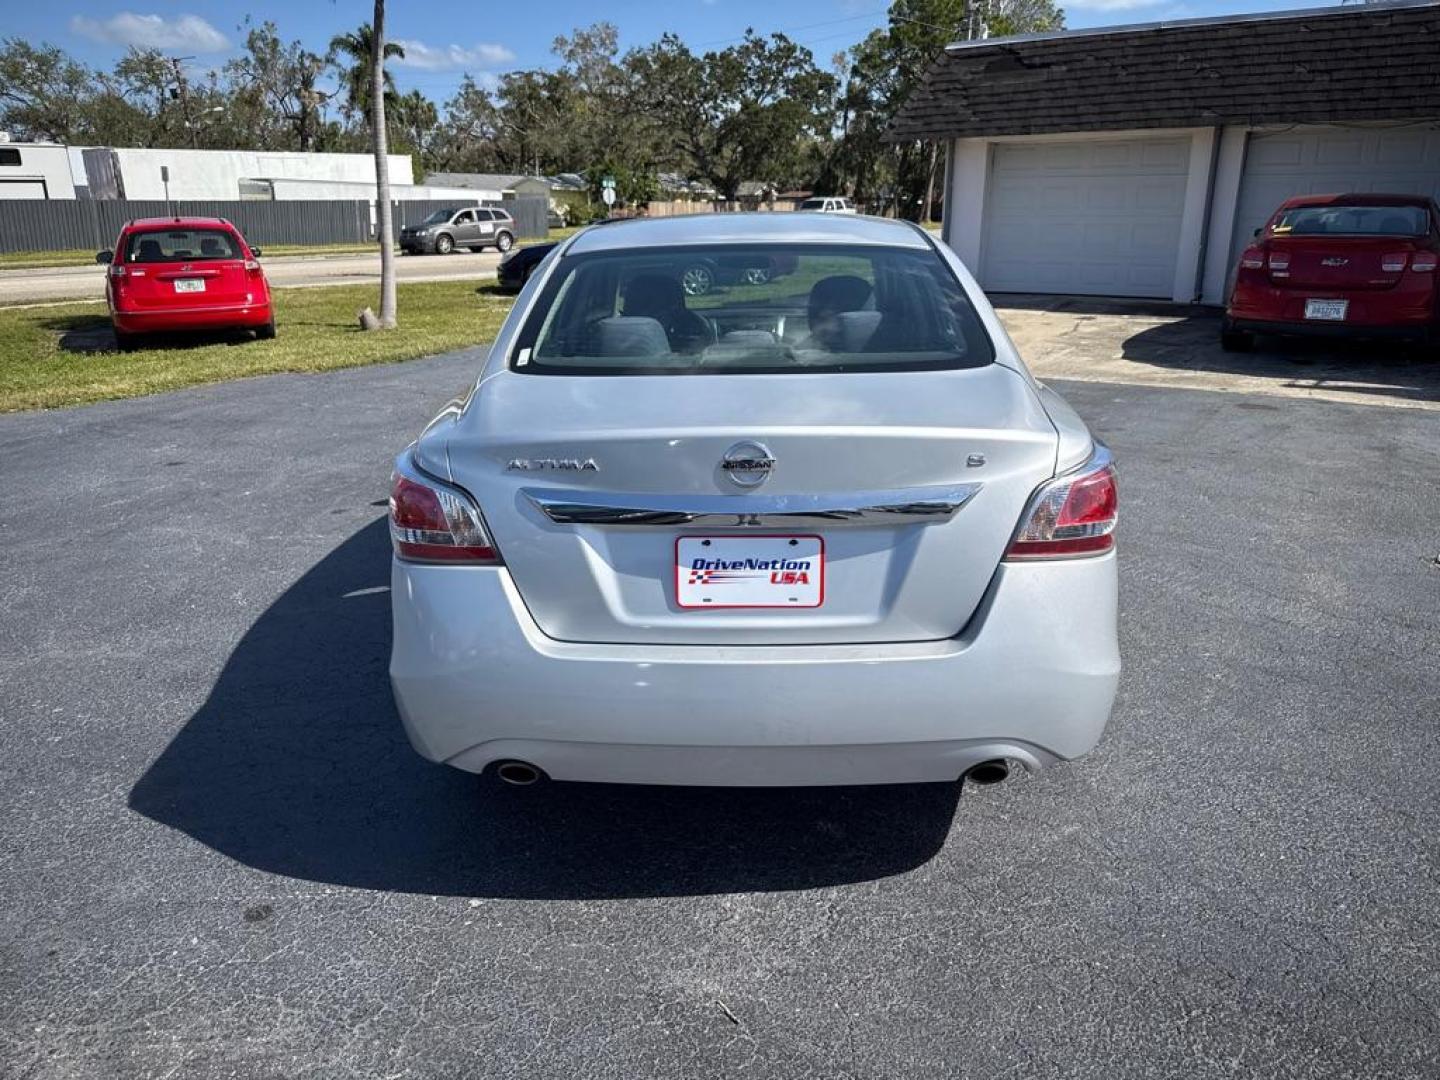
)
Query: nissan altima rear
[{"x": 818, "y": 528}]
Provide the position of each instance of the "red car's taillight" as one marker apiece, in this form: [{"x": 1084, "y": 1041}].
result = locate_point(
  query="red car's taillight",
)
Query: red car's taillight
[
  {"x": 434, "y": 522},
  {"x": 252, "y": 265},
  {"x": 1074, "y": 514},
  {"x": 1252, "y": 258},
  {"x": 117, "y": 270},
  {"x": 1394, "y": 262},
  {"x": 1424, "y": 261},
  {"x": 1280, "y": 263}
]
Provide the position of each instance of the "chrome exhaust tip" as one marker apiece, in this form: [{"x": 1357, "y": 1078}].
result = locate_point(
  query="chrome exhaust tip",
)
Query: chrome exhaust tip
[
  {"x": 518, "y": 773},
  {"x": 988, "y": 772}
]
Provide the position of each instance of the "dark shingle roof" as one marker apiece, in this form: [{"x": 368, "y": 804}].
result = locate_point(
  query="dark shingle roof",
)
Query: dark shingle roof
[{"x": 1372, "y": 62}]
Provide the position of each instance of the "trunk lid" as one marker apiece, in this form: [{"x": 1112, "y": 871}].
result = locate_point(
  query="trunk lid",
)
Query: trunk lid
[
  {"x": 655, "y": 443},
  {"x": 1337, "y": 262}
]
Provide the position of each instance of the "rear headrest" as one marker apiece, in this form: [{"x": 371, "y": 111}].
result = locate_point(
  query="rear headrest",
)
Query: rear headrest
[
  {"x": 631, "y": 335},
  {"x": 149, "y": 249},
  {"x": 856, "y": 329},
  {"x": 211, "y": 246}
]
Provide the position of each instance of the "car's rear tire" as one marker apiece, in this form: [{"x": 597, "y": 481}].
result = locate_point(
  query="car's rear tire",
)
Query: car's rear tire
[
  {"x": 504, "y": 242},
  {"x": 266, "y": 332},
  {"x": 1237, "y": 341},
  {"x": 444, "y": 245}
]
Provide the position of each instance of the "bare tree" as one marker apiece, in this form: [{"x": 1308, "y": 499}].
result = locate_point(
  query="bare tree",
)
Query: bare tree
[{"x": 386, "y": 320}]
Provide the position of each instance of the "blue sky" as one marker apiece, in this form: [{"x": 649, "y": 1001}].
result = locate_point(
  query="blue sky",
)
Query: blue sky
[{"x": 448, "y": 37}]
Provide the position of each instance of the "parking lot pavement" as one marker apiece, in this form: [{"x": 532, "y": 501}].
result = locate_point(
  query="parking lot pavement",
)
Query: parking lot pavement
[
  {"x": 1161, "y": 344},
  {"x": 88, "y": 282},
  {"x": 220, "y": 858}
]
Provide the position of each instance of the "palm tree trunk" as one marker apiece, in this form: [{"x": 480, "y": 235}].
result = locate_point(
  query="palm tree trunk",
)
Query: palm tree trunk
[{"x": 382, "y": 171}]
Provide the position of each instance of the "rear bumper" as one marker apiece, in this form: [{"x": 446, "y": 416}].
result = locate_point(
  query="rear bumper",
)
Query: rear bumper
[
  {"x": 1032, "y": 678},
  {"x": 207, "y": 318},
  {"x": 1421, "y": 331}
]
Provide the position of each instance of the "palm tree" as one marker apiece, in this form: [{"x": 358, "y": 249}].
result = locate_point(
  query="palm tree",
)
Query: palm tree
[
  {"x": 377, "y": 96},
  {"x": 358, "y": 47}
]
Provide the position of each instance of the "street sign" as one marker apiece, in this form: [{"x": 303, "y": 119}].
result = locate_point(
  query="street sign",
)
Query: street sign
[
  {"x": 608, "y": 194},
  {"x": 608, "y": 182}
]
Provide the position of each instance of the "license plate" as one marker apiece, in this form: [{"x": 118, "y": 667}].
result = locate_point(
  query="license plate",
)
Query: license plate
[
  {"x": 190, "y": 284},
  {"x": 1331, "y": 310},
  {"x": 749, "y": 571}
]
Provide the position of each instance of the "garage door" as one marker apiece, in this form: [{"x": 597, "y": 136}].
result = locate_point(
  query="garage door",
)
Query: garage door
[
  {"x": 1323, "y": 160},
  {"x": 1098, "y": 217}
]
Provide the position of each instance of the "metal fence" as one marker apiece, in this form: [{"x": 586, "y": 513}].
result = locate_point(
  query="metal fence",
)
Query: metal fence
[{"x": 63, "y": 224}]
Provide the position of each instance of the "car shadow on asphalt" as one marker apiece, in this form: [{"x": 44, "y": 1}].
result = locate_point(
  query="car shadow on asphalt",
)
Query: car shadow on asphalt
[
  {"x": 296, "y": 764},
  {"x": 1384, "y": 369}
]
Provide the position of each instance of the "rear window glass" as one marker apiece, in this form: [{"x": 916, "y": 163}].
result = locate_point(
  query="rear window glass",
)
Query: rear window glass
[
  {"x": 754, "y": 309},
  {"x": 181, "y": 245},
  {"x": 1351, "y": 221},
  {"x": 813, "y": 204}
]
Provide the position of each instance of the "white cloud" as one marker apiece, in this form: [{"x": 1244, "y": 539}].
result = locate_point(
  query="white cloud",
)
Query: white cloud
[
  {"x": 1112, "y": 5},
  {"x": 451, "y": 57},
  {"x": 182, "y": 33}
]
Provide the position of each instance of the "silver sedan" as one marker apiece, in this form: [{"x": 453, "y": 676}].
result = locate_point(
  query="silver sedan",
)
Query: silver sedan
[{"x": 818, "y": 525}]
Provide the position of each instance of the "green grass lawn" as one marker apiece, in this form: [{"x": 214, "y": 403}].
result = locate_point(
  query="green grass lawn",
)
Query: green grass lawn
[{"x": 64, "y": 354}]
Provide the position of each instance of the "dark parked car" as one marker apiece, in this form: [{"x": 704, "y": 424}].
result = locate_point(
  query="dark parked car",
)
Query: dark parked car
[
  {"x": 515, "y": 269},
  {"x": 473, "y": 227},
  {"x": 1340, "y": 266}
]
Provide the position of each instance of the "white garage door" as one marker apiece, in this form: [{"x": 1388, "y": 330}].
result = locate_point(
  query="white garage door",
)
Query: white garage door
[
  {"x": 1098, "y": 217},
  {"x": 1332, "y": 160}
]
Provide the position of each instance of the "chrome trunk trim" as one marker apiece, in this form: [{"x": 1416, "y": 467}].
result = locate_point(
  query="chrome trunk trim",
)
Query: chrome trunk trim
[{"x": 912, "y": 505}]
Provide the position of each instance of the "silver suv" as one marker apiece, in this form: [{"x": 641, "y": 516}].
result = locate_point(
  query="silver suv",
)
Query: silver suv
[{"x": 473, "y": 227}]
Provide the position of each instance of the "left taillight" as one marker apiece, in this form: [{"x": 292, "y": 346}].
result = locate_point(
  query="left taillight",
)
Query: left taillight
[
  {"x": 1072, "y": 515},
  {"x": 431, "y": 521},
  {"x": 117, "y": 270}
]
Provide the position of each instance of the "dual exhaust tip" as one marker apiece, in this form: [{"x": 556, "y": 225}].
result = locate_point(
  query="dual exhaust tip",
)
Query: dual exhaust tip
[{"x": 523, "y": 774}]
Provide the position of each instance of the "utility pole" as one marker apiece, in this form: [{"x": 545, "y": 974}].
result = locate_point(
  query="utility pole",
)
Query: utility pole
[{"x": 175, "y": 62}]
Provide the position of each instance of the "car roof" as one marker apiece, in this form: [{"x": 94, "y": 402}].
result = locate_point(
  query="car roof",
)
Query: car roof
[
  {"x": 1366, "y": 198},
  {"x": 179, "y": 222},
  {"x": 778, "y": 227}
]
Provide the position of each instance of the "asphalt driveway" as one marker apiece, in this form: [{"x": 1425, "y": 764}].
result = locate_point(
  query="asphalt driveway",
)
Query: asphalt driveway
[{"x": 218, "y": 857}]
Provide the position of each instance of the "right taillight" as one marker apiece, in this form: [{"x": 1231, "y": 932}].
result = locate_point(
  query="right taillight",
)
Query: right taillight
[
  {"x": 433, "y": 522},
  {"x": 1072, "y": 515},
  {"x": 1424, "y": 261}
]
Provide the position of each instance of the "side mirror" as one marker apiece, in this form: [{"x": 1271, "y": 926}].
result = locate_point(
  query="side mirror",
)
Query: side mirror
[
  {"x": 105, "y": 257},
  {"x": 1258, "y": 231},
  {"x": 255, "y": 251}
]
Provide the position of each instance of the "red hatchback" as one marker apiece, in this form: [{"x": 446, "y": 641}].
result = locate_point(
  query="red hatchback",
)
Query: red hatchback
[
  {"x": 1340, "y": 265},
  {"x": 175, "y": 274}
]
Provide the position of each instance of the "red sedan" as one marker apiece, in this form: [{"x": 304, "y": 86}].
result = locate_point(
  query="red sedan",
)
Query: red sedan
[
  {"x": 1340, "y": 265},
  {"x": 175, "y": 274}
]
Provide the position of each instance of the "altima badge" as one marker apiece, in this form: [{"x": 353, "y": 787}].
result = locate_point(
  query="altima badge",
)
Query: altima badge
[{"x": 568, "y": 464}]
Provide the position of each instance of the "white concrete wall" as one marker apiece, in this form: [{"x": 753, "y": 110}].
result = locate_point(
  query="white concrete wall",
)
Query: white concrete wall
[
  {"x": 216, "y": 174},
  {"x": 1229, "y": 167},
  {"x": 340, "y": 189},
  {"x": 964, "y": 220},
  {"x": 41, "y": 164}
]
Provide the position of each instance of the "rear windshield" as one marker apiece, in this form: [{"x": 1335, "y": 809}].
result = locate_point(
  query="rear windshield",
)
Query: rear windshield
[
  {"x": 181, "y": 245},
  {"x": 754, "y": 309},
  {"x": 1351, "y": 221},
  {"x": 813, "y": 204}
]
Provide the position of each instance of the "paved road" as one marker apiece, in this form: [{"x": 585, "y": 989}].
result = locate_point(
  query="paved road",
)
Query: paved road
[
  {"x": 218, "y": 858},
  {"x": 88, "y": 282}
]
